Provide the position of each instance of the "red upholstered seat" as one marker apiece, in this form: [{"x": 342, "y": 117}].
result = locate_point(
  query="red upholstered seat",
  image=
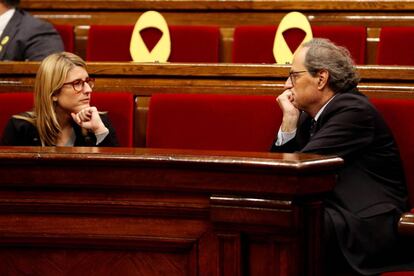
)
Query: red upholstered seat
[
  {"x": 68, "y": 36},
  {"x": 397, "y": 114},
  {"x": 401, "y": 273},
  {"x": 254, "y": 44},
  {"x": 214, "y": 122},
  {"x": 188, "y": 43},
  {"x": 120, "y": 107},
  {"x": 13, "y": 103},
  {"x": 395, "y": 46}
]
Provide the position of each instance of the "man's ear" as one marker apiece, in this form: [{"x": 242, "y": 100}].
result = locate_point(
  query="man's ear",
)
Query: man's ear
[{"x": 323, "y": 77}]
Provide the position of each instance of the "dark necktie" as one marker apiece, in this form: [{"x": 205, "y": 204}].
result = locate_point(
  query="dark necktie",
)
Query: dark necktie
[{"x": 312, "y": 127}]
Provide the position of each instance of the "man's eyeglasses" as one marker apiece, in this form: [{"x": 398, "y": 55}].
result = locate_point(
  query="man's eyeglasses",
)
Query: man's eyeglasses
[
  {"x": 293, "y": 75},
  {"x": 78, "y": 85}
]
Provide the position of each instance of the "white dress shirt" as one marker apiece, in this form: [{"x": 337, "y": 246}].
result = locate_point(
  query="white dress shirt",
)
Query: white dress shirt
[{"x": 5, "y": 18}]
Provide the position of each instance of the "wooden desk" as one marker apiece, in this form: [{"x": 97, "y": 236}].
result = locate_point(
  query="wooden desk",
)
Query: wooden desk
[{"x": 120, "y": 211}]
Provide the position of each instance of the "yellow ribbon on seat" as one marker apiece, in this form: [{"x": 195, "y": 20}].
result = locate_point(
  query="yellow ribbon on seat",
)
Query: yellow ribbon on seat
[
  {"x": 138, "y": 49},
  {"x": 281, "y": 50}
]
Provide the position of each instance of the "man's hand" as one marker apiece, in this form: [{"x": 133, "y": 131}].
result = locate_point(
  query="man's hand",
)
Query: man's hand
[
  {"x": 290, "y": 112},
  {"x": 89, "y": 118}
]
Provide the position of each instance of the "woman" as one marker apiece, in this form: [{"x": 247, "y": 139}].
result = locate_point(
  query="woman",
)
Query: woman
[{"x": 62, "y": 115}]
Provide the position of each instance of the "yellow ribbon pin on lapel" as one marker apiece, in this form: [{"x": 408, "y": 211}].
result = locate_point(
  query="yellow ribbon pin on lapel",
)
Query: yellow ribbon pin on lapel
[{"x": 5, "y": 40}]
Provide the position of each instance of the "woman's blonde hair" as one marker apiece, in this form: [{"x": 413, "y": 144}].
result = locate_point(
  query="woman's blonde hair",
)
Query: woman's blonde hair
[{"x": 50, "y": 78}]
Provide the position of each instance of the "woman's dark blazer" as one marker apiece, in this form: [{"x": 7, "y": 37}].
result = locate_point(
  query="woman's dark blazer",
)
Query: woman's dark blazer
[
  {"x": 19, "y": 132},
  {"x": 370, "y": 193}
]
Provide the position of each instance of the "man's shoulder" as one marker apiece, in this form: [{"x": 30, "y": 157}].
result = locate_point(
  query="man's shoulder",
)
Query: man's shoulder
[
  {"x": 28, "y": 21},
  {"x": 351, "y": 99}
]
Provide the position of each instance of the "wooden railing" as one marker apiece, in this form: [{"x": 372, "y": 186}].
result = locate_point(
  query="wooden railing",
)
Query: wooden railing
[
  {"x": 226, "y": 14},
  {"x": 119, "y": 211}
]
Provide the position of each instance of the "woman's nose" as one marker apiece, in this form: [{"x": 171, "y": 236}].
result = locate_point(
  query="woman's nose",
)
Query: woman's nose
[{"x": 87, "y": 88}]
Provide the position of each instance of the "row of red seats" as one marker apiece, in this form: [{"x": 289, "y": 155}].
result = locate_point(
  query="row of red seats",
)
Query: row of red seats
[{"x": 251, "y": 44}]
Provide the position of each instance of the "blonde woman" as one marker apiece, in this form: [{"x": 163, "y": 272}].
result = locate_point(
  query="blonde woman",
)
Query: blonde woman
[{"x": 62, "y": 115}]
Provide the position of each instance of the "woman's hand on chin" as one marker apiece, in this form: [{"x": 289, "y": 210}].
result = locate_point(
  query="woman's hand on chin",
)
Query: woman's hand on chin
[{"x": 89, "y": 118}]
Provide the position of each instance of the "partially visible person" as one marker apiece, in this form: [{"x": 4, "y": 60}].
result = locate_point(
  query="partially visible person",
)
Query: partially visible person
[
  {"x": 23, "y": 37},
  {"x": 62, "y": 114},
  {"x": 324, "y": 113}
]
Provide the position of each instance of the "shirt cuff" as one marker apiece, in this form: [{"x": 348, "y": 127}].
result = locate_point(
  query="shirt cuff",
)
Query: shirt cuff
[
  {"x": 284, "y": 137},
  {"x": 101, "y": 136}
]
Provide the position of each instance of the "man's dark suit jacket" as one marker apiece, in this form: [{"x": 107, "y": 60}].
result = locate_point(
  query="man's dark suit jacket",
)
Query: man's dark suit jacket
[
  {"x": 28, "y": 38},
  {"x": 19, "y": 132},
  {"x": 370, "y": 193}
]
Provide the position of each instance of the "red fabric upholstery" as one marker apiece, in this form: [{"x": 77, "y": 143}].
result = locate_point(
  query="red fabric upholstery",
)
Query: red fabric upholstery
[
  {"x": 120, "y": 107},
  {"x": 401, "y": 273},
  {"x": 397, "y": 114},
  {"x": 395, "y": 46},
  {"x": 68, "y": 36},
  {"x": 254, "y": 44},
  {"x": 188, "y": 43},
  {"x": 13, "y": 103},
  {"x": 213, "y": 122}
]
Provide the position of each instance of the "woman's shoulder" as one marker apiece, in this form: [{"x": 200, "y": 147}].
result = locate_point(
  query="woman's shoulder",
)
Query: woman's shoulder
[{"x": 23, "y": 120}]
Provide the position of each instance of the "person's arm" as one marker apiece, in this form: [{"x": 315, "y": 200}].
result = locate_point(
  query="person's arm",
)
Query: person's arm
[
  {"x": 90, "y": 119},
  {"x": 287, "y": 130}
]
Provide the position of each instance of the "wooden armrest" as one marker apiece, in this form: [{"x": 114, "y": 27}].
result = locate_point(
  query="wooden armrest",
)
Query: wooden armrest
[{"x": 406, "y": 224}]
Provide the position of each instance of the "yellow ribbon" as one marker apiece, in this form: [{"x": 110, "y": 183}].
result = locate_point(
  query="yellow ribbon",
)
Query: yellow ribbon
[
  {"x": 138, "y": 49},
  {"x": 281, "y": 50}
]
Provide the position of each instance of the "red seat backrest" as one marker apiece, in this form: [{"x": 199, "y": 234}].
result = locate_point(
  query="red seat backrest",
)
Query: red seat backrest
[
  {"x": 397, "y": 114},
  {"x": 68, "y": 36},
  {"x": 395, "y": 46},
  {"x": 254, "y": 44},
  {"x": 188, "y": 43},
  {"x": 120, "y": 107},
  {"x": 212, "y": 122},
  {"x": 12, "y": 104}
]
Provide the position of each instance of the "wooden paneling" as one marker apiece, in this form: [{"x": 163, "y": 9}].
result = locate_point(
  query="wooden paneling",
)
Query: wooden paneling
[
  {"x": 226, "y": 15},
  {"x": 161, "y": 212}
]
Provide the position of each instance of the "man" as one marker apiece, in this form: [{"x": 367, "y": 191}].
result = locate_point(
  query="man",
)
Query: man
[
  {"x": 23, "y": 37},
  {"x": 324, "y": 113}
]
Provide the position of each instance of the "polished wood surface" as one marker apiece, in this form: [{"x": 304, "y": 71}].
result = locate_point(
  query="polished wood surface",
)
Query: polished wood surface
[
  {"x": 368, "y": 5},
  {"x": 120, "y": 211},
  {"x": 143, "y": 79}
]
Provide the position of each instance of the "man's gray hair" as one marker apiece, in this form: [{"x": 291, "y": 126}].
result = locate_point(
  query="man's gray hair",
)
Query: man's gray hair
[{"x": 323, "y": 54}]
